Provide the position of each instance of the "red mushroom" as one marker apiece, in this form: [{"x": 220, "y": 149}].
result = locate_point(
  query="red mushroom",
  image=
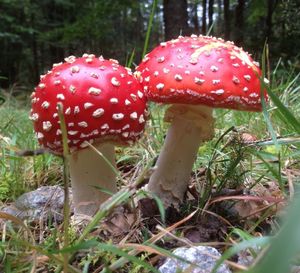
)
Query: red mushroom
[
  {"x": 103, "y": 104},
  {"x": 194, "y": 74}
]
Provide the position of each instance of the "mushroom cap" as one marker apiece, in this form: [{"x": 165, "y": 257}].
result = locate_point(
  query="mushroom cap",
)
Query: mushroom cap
[
  {"x": 202, "y": 70},
  {"x": 102, "y": 101}
]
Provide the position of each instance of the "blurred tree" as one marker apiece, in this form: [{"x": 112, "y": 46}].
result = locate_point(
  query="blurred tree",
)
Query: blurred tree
[
  {"x": 204, "y": 7},
  {"x": 175, "y": 18}
]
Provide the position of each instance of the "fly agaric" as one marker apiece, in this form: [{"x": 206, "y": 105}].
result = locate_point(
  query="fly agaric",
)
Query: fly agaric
[
  {"x": 103, "y": 104},
  {"x": 194, "y": 74}
]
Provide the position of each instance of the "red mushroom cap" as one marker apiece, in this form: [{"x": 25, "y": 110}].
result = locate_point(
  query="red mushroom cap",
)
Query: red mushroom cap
[
  {"x": 202, "y": 70},
  {"x": 102, "y": 101}
]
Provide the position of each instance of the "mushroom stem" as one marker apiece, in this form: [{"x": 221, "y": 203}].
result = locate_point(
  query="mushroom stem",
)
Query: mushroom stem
[
  {"x": 89, "y": 174},
  {"x": 190, "y": 126}
]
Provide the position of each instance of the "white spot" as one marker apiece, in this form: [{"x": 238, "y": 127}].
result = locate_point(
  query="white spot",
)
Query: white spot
[
  {"x": 127, "y": 102},
  {"x": 147, "y": 79},
  {"x": 156, "y": 73},
  {"x": 57, "y": 64},
  {"x": 34, "y": 117},
  {"x": 193, "y": 61},
  {"x": 236, "y": 65},
  {"x": 115, "y": 82},
  {"x": 60, "y": 96},
  {"x": 104, "y": 126},
  {"x": 82, "y": 124},
  {"x": 160, "y": 59},
  {"x": 187, "y": 72},
  {"x": 178, "y": 77},
  {"x": 235, "y": 80},
  {"x": 84, "y": 144},
  {"x": 118, "y": 116},
  {"x": 72, "y": 89},
  {"x": 266, "y": 81},
  {"x": 39, "y": 135},
  {"x": 94, "y": 91},
  {"x": 114, "y": 100},
  {"x": 213, "y": 68},
  {"x": 57, "y": 82},
  {"x": 71, "y": 124},
  {"x": 87, "y": 105},
  {"x": 141, "y": 119},
  {"x": 140, "y": 94},
  {"x": 133, "y": 115},
  {"x": 256, "y": 64},
  {"x": 98, "y": 113},
  {"x": 163, "y": 44},
  {"x": 42, "y": 85},
  {"x": 198, "y": 80},
  {"x": 247, "y": 77},
  {"x": 253, "y": 95},
  {"x": 75, "y": 69},
  {"x": 125, "y": 134},
  {"x": 76, "y": 110},
  {"x": 216, "y": 81},
  {"x": 220, "y": 60},
  {"x": 133, "y": 97},
  {"x": 55, "y": 115},
  {"x": 45, "y": 104},
  {"x": 127, "y": 126},
  {"x": 68, "y": 111},
  {"x": 72, "y": 133},
  {"x": 160, "y": 86},
  {"x": 58, "y": 132},
  {"x": 218, "y": 92},
  {"x": 245, "y": 89},
  {"x": 47, "y": 125},
  {"x": 70, "y": 59},
  {"x": 166, "y": 70}
]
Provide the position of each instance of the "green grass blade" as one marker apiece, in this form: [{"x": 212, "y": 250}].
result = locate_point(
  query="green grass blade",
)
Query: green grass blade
[
  {"x": 150, "y": 23},
  {"x": 115, "y": 250},
  {"x": 284, "y": 246}
]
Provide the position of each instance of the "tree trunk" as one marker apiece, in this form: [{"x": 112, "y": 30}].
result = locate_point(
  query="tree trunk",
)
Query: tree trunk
[
  {"x": 204, "y": 4},
  {"x": 271, "y": 7},
  {"x": 239, "y": 23},
  {"x": 210, "y": 13},
  {"x": 226, "y": 20},
  {"x": 196, "y": 19},
  {"x": 175, "y": 18}
]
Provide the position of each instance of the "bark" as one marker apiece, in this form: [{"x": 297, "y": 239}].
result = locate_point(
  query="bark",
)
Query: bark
[
  {"x": 175, "y": 18},
  {"x": 226, "y": 20},
  {"x": 239, "y": 23},
  {"x": 210, "y": 13},
  {"x": 204, "y": 7},
  {"x": 269, "y": 24},
  {"x": 196, "y": 19}
]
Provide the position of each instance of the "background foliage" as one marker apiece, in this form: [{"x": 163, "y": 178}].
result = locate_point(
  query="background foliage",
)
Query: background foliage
[{"x": 34, "y": 33}]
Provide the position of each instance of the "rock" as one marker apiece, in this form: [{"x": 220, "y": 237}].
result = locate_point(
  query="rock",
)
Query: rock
[
  {"x": 42, "y": 204},
  {"x": 203, "y": 256}
]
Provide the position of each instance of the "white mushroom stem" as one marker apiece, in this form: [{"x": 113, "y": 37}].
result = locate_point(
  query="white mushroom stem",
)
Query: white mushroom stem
[
  {"x": 90, "y": 173},
  {"x": 190, "y": 126}
]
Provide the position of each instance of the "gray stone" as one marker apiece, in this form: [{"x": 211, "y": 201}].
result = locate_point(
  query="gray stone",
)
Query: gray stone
[
  {"x": 42, "y": 204},
  {"x": 203, "y": 257}
]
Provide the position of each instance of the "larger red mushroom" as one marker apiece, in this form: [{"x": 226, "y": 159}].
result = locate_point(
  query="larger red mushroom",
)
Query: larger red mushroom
[
  {"x": 103, "y": 104},
  {"x": 194, "y": 74}
]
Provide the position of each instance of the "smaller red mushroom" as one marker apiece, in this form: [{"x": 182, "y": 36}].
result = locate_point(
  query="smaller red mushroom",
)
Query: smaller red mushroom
[
  {"x": 194, "y": 74},
  {"x": 103, "y": 104}
]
